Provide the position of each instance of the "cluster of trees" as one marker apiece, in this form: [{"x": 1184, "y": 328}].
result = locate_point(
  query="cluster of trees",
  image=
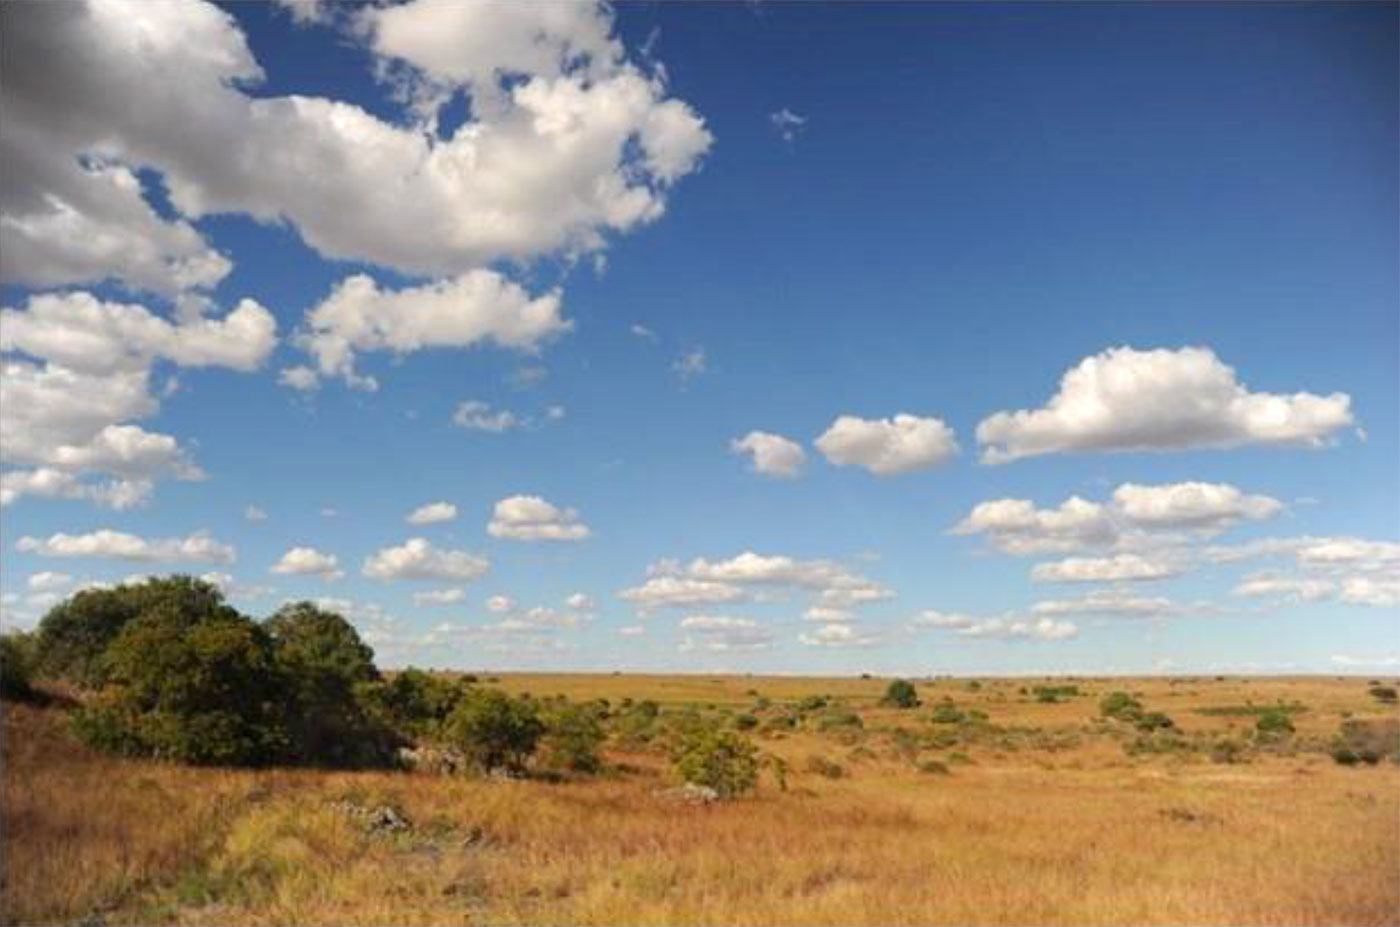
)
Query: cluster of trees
[{"x": 167, "y": 668}]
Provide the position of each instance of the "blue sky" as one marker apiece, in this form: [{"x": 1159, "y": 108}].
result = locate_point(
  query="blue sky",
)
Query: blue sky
[{"x": 1069, "y": 333}]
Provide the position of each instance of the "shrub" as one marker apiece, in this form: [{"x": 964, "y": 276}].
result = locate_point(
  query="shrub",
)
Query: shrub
[
  {"x": 1386, "y": 694},
  {"x": 948, "y": 713},
  {"x": 829, "y": 769},
  {"x": 16, "y": 666},
  {"x": 745, "y": 722},
  {"x": 812, "y": 703},
  {"x": 839, "y": 719},
  {"x": 721, "y": 760},
  {"x": 1226, "y": 751},
  {"x": 572, "y": 737},
  {"x": 493, "y": 730},
  {"x": 901, "y": 694},
  {"x": 1273, "y": 725},
  {"x": 934, "y": 767},
  {"x": 1120, "y": 706},
  {"x": 1054, "y": 694},
  {"x": 1154, "y": 721},
  {"x": 1366, "y": 742},
  {"x": 412, "y": 701}
]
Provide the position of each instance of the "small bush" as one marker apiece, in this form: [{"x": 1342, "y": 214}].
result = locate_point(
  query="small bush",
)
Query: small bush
[
  {"x": 1120, "y": 706},
  {"x": 1366, "y": 742},
  {"x": 721, "y": 760},
  {"x": 1274, "y": 725},
  {"x": 494, "y": 731},
  {"x": 1384, "y": 694},
  {"x": 947, "y": 713},
  {"x": 745, "y": 722},
  {"x": 1154, "y": 721},
  {"x": 572, "y": 737},
  {"x": 1227, "y": 751},
  {"x": 812, "y": 703},
  {"x": 826, "y": 768},
  {"x": 935, "y": 767},
  {"x": 901, "y": 694}
]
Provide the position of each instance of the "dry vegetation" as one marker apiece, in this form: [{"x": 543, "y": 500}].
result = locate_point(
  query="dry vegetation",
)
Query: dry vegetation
[{"x": 1044, "y": 814}]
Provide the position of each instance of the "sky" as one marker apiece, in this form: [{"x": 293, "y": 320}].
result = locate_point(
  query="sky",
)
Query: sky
[{"x": 750, "y": 337}]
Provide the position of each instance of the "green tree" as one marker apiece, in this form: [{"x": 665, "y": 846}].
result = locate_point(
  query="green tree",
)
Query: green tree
[
  {"x": 721, "y": 760},
  {"x": 204, "y": 691},
  {"x": 494, "y": 730},
  {"x": 572, "y": 737},
  {"x": 75, "y": 634},
  {"x": 901, "y": 694},
  {"x": 322, "y": 660},
  {"x": 413, "y": 701}
]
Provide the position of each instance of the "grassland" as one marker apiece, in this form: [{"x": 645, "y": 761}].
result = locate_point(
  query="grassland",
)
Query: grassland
[{"x": 1039, "y": 813}]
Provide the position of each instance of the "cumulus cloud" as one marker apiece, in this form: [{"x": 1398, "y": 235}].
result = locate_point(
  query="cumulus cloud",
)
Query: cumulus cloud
[
  {"x": 440, "y": 597},
  {"x": 719, "y": 633},
  {"x": 418, "y": 559},
  {"x": 580, "y": 602},
  {"x": 562, "y": 148},
  {"x": 499, "y": 604},
  {"x": 308, "y": 561},
  {"x": 530, "y": 518},
  {"x": 678, "y": 591},
  {"x": 1134, "y": 513},
  {"x": 432, "y": 513},
  {"x": 1159, "y": 400},
  {"x": 48, "y": 581},
  {"x": 68, "y": 416},
  {"x": 116, "y": 545},
  {"x": 887, "y": 446},
  {"x": 1119, "y": 568},
  {"x": 476, "y": 307},
  {"x": 1007, "y": 627},
  {"x": 253, "y": 513},
  {"x": 1355, "y": 571},
  {"x": 773, "y": 455},
  {"x": 1108, "y": 604},
  {"x": 1299, "y": 588},
  {"x": 838, "y": 635},
  {"x": 475, "y": 415}
]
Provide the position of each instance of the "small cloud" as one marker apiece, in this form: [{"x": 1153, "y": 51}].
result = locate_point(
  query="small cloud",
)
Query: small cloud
[
  {"x": 432, "y": 513},
  {"x": 308, "y": 561},
  {"x": 253, "y": 513},
  {"x": 300, "y": 378},
  {"x": 787, "y": 124},
  {"x": 641, "y": 331},
  {"x": 475, "y": 415},
  {"x": 527, "y": 377},
  {"x": 690, "y": 365}
]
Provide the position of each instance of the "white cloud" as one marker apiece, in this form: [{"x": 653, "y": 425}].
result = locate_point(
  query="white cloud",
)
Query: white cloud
[
  {"x": 561, "y": 150},
  {"x": 1016, "y": 526},
  {"x": 1370, "y": 661},
  {"x": 198, "y": 547},
  {"x": 440, "y": 597},
  {"x": 1381, "y": 592},
  {"x": 1136, "y": 514},
  {"x": 721, "y": 633},
  {"x": 476, "y": 307},
  {"x": 1129, "y": 400},
  {"x": 475, "y": 415},
  {"x": 530, "y": 518},
  {"x": 69, "y": 416},
  {"x": 690, "y": 364},
  {"x": 670, "y": 591},
  {"x": 886, "y": 446},
  {"x": 308, "y": 561},
  {"x": 837, "y": 635},
  {"x": 253, "y": 513},
  {"x": 500, "y": 604},
  {"x": 1298, "y": 588},
  {"x": 299, "y": 377},
  {"x": 787, "y": 124},
  {"x": 1191, "y": 506},
  {"x": 773, "y": 455},
  {"x": 641, "y": 331},
  {"x": 828, "y": 615},
  {"x": 1046, "y": 629},
  {"x": 49, "y": 581},
  {"x": 1110, "y": 604},
  {"x": 432, "y": 513},
  {"x": 1121, "y": 567},
  {"x": 580, "y": 602},
  {"x": 929, "y": 618},
  {"x": 416, "y": 558},
  {"x": 632, "y": 630}
]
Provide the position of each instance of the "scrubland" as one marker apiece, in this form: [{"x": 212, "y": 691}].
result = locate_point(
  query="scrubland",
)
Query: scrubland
[{"x": 1001, "y": 809}]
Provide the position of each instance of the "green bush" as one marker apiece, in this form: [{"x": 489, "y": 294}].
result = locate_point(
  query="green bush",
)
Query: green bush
[
  {"x": 745, "y": 722},
  {"x": 812, "y": 703},
  {"x": 412, "y": 701},
  {"x": 1121, "y": 706},
  {"x": 721, "y": 760},
  {"x": 572, "y": 737},
  {"x": 934, "y": 767},
  {"x": 901, "y": 694},
  {"x": 947, "y": 713},
  {"x": 1274, "y": 725},
  {"x": 16, "y": 666},
  {"x": 493, "y": 730},
  {"x": 1153, "y": 721},
  {"x": 1385, "y": 694}
]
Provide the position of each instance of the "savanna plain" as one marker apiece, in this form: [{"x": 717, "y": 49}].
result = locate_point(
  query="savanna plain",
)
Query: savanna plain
[{"x": 991, "y": 801}]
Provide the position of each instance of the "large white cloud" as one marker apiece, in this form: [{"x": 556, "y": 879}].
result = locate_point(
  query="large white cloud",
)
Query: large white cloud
[
  {"x": 70, "y": 414},
  {"x": 558, "y": 152},
  {"x": 116, "y": 545},
  {"x": 1355, "y": 571},
  {"x": 1136, "y": 514},
  {"x": 773, "y": 455},
  {"x": 679, "y": 591},
  {"x": 530, "y": 518},
  {"x": 711, "y": 582},
  {"x": 1007, "y": 627},
  {"x": 416, "y": 558},
  {"x": 1118, "y": 568},
  {"x": 478, "y": 306},
  {"x": 1159, "y": 400},
  {"x": 886, "y": 446}
]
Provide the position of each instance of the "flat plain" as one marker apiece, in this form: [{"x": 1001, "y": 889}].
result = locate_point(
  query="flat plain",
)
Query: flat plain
[{"x": 986, "y": 804}]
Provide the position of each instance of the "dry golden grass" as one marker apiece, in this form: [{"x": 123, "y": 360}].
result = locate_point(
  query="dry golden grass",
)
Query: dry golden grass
[{"x": 1086, "y": 835}]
